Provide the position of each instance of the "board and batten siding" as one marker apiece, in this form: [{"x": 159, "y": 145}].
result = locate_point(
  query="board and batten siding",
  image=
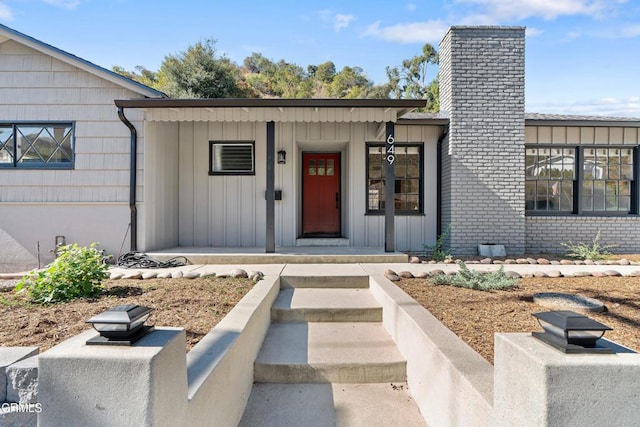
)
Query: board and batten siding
[
  {"x": 229, "y": 211},
  {"x": 583, "y": 135},
  {"x": 412, "y": 232},
  {"x": 89, "y": 202}
]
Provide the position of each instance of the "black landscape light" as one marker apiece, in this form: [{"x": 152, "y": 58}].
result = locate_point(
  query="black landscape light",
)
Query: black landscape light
[
  {"x": 120, "y": 325},
  {"x": 571, "y": 332},
  {"x": 282, "y": 157}
]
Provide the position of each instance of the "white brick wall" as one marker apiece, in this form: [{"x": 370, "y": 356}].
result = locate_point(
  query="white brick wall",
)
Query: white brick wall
[
  {"x": 546, "y": 233},
  {"x": 482, "y": 87}
]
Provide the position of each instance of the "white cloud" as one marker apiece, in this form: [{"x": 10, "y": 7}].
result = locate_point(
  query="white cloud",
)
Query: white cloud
[
  {"x": 342, "y": 21},
  {"x": 5, "y": 12},
  {"x": 506, "y": 10},
  {"x": 607, "y": 106},
  {"x": 533, "y": 32},
  {"x": 66, "y": 4},
  {"x": 410, "y": 32},
  {"x": 411, "y": 7},
  {"x": 631, "y": 31}
]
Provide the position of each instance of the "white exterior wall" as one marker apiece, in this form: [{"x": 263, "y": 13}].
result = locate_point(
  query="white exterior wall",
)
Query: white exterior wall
[
  {"x": 229, "y": 211},
  {"x": 87, "y": 203}
]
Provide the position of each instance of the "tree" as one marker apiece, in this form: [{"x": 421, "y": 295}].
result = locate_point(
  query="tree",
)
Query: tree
[
  {"x": 350, "y": 82},
  {"x": 199, "y": 72},
  {"x": 140, "y": 75},
  {"x": 410, "y": 80}
]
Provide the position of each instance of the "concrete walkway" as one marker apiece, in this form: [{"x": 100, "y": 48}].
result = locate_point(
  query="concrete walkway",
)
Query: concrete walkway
[{"x": 327, "y": 359}]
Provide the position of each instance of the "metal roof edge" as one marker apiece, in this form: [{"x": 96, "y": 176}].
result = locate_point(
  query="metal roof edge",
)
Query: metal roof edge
[
  {"x": 269, "y": 102},
  {"x": 79, "y": 62}
]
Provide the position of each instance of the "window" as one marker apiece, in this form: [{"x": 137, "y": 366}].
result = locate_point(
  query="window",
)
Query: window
[
  {"x": 231, "y": 158},
  {"x": 37, "y": 145},
  {"x": 575, "y": 180},
  {"x": 408, "y": 178},
  {"x": 606, "y": 179},
  {"x": 550, "y": 175}
]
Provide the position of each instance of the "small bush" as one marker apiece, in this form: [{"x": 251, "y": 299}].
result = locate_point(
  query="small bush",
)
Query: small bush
[
  {"x": 78, "y": 272},
  {"x": 593, "y": 251},
  {"x": 437, "y": 251},
  {"x": 483, "y": 281}
]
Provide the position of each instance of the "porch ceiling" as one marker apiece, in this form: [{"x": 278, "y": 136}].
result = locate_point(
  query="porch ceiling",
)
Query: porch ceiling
[{"x": 276, "y": 110}]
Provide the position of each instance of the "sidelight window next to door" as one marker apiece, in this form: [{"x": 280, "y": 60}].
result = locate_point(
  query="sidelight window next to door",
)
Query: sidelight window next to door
[{"x": 321, "y": 197}]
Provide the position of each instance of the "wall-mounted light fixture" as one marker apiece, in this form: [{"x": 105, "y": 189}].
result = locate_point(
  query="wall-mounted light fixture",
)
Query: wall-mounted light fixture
[
  {"x": 120, "y": 325},
  {"x": 571, "y": 332},
  {"x": 282, "y": 157}
]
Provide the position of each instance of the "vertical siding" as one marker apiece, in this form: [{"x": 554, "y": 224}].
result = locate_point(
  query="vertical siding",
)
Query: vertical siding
[
  {"x": 229, "y": 211},
  {"x": 161, "y": 164},
  {"x": 411, "y": 232},
  {"x": 219, "y": 210}
]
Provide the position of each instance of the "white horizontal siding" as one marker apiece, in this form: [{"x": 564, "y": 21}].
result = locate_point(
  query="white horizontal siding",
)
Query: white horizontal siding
[{"x": 37, "y": 87}]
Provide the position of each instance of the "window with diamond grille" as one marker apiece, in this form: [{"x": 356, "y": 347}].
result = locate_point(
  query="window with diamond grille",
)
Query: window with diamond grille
[{"x": 37, "y": 145}]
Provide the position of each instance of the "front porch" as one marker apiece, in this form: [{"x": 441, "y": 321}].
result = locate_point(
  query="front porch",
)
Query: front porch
[{"x": 282, "y": 255}]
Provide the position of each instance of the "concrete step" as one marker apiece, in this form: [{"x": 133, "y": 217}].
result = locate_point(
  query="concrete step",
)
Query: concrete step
[
  {"x": 349, "y": 282},
  {"x": 334, "y": 352},
  {"x": 315, "y": 405},
  {"x": 326, "y": 305}
]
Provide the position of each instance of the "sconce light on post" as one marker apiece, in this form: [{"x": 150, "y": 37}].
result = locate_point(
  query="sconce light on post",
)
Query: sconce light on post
[
  {"x": 120, "y": 325},
  {"x": 282, "y": 157},
  {"x": 571, "y": 332}
]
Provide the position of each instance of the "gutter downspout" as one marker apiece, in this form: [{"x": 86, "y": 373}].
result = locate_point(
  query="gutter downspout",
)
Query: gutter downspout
[
  {"x": 441, "y": 138},
  {"x": 132, "y": 179}
]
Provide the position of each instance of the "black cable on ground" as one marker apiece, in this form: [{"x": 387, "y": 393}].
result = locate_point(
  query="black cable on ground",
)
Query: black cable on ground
[{"x": 141, "y": 260}]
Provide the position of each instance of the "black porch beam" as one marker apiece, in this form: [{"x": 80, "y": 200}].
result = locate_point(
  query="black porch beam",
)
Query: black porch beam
[
  {"x": 390, "y": 190},
  {"x": 270, "y": 241}
]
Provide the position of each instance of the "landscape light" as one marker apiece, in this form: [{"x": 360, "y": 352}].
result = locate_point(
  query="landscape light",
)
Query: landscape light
[
  {"x": 571, "y": 332},
  {"x": 120, "y": 325}
]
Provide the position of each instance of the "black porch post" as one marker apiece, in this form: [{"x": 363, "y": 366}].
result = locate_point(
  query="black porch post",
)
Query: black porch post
[
  {"x": 390, "y": 190},
  {"x": 270, "y": 242}
]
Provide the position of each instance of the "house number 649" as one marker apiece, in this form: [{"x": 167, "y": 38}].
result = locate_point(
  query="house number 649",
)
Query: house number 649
[{"x": 391, "y": 149}]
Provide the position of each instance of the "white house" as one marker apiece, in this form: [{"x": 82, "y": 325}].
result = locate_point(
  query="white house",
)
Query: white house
[{"x": 276, "y": 173}]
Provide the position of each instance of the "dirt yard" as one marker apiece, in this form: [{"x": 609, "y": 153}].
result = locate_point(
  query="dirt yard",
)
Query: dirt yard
[
  {"x": 194, "y": 304},
  {"x": 199, "y": 304},
  {"x": 476, "y": 315}
]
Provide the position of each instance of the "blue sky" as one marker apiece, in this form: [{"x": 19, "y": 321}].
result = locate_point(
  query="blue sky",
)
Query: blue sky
[{"x": 582, "y": 55}]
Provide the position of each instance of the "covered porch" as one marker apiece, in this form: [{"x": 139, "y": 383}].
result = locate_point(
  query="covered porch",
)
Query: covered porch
[{"x": 187, "y": 201}]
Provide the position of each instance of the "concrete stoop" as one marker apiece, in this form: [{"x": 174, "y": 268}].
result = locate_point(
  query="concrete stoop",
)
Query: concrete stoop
[
  {"x": 326, "y": 305},
  {"x": 322, "y": 352},
  {"x": 327, "y": 359}
]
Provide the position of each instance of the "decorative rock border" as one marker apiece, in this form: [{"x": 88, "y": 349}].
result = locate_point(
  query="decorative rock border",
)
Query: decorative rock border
[
  {"x": 394, "y": 277},
  {"x": 534, "y": 261},
  {"x": 256, "y": 276}
]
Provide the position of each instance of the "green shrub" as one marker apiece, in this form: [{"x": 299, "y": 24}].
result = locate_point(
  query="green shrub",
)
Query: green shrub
[
  {"x": 593, "y": 251},
  {"x": 484, "y": 281},
  {"x": 78, "y": 272},
  {"x": 437, "y": 251}
]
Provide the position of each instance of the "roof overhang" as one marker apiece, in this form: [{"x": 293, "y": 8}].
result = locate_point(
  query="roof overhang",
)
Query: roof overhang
[{"x": 276, "y": 110}]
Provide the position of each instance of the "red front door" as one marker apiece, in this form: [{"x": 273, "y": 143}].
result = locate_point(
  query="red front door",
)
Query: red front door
[{"x": 321, "y": 194}]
